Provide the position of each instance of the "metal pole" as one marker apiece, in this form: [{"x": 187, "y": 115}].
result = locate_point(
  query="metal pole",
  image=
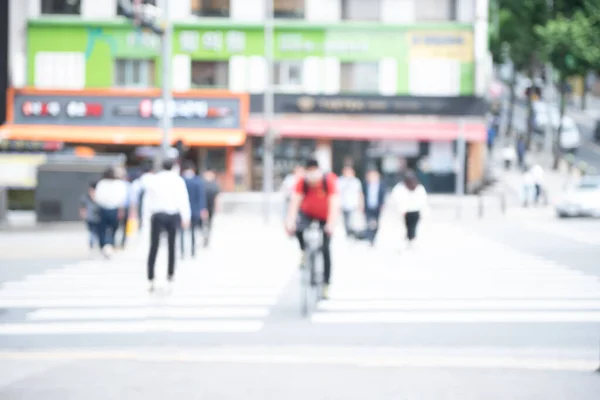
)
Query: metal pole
[
  {"x": 167, "y": 97},
  {"x": 549, "y": 89},
  {"x": 460, "y": 170},
  {"x": 268, "y": 109}
]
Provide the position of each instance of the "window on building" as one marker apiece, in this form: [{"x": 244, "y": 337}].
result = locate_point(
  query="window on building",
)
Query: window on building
[
  {"x": 120, "y": 9},
  {"x": 360, "y": 10},
  {"x": 287, "y": 76},
  {"x": 288, "y": 8},
  {"x": 213, "y": 74},
  {"x": 72, "y": 7},
  {"x": 435, "y": 10},
  {"x": 361, "y": 77},
  {"x": 134, "y": 73},
  {"x": 211, "y": 8}
]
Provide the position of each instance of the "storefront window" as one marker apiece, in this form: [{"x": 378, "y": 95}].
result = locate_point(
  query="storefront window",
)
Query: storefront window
[
  {"x": 64, "y": 7},
  {"x": 130, "y": 73},
  {"x": 210, "y": 74},
  {"x": 288, "y": 153}
]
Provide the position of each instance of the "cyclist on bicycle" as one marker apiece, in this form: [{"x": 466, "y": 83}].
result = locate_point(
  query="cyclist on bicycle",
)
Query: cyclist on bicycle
[{"x": 315, "y": 198}]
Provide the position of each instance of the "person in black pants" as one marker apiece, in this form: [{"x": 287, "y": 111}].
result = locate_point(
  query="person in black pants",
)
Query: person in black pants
[
  {"x": 374, "y": 195},
  {"x": 212, "y": 193},
  {"x": 167, "y": 200},
  {"x": 197, "y": 197}
]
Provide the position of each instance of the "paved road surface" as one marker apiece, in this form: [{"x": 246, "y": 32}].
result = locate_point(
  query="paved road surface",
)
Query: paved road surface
[{"x": 470, "y": 309}]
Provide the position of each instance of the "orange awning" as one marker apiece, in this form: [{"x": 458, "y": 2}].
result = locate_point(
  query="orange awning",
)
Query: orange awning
[{"x": 121, "y": 135}]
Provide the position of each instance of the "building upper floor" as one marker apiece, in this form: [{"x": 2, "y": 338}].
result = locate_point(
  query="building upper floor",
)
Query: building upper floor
[
  {"x": 432, "y": 58},
  {"x": 387, "y": 11}
]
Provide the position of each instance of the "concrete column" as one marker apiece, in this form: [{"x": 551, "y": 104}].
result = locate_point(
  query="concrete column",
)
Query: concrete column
[
  {"x": 248, "y": 10},
  {"x": 323, "y": 10},
  {"x": 94, "y": 9},
  {"x": 398, "y": 11}
]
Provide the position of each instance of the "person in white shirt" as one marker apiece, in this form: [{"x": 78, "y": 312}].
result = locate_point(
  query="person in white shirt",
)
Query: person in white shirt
[
  {"x": 111, "y": 197},
  {"x": 537, "y": 173},
  {"x": 167, "y": 202},
  {"x": 351, "y": 197},
  {"x": 411, "y": 199}
]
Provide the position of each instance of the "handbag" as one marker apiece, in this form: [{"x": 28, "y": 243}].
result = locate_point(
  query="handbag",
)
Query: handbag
[{"x": 131, "y": 227}]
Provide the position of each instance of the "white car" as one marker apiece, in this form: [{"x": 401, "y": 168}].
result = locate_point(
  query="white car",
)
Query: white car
[
  {"x": 570, "y": 137},
  {"x": 581, "y": 200}
]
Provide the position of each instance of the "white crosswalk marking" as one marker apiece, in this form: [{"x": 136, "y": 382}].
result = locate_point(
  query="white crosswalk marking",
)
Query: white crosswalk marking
[
  {"x": 483, "y": 281},
  {"x": 221, "y": 291}
]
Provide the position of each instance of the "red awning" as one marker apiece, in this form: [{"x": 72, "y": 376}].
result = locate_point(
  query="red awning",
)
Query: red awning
[{"x": 372, "y": 129}]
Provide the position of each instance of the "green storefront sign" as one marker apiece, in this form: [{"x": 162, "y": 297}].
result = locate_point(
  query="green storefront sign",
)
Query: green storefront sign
[{"x": 217, "y": 40}]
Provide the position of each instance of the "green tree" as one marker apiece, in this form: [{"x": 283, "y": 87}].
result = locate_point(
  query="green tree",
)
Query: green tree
[
  {"x": 518, "y": 23},
  {"x": 567, "y": 48}
]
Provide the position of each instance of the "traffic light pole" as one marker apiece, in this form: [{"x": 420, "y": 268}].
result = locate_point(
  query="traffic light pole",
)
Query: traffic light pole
[
  {"x": 268, "y": 106},
  {"x": 167, "y": 96}
]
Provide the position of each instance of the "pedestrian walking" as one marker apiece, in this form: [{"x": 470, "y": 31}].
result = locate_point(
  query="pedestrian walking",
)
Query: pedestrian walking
[
  {"x": 411, "y": 199},
  {"x": 351, "y": 198},
  {"x": 374, "y": 195},
  {"x": 168, "y": 203},
  {"x": 212, "y": 201},
  {"x": 111, "y": 197},
  {"x": 528, "y": 188},
  {"x": 537, "y": 174},
  {"x": 521, "y": 151},
  {"x": 197, "y": 197},
  {"x": 136, "y": 201},
  {"x": 124, "y": 216},
  {"x": 89, "y": 211}
]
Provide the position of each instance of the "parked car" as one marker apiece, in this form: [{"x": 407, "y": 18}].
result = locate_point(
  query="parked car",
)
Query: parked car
[
  {"x": 581, "y": 200},
  {"x": 570, "y": 137}
]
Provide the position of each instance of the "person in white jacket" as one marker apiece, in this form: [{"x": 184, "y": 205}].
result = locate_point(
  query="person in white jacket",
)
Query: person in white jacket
[
  {"x": 111, "y": 196},
  {"x": 411, "y": 199}
]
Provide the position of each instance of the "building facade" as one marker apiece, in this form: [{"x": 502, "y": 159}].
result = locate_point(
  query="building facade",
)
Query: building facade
[{"x": 413, "y": 72}]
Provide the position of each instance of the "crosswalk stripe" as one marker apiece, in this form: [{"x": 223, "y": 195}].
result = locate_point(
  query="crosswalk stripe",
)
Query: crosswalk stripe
[
  {"x": 111, "y": 301},
  {"x": 127, "y": 327},
  {"x": 456, "y": 317},
  {"x": 150, "y": 313},
  {"x": 416, "y": 305}
]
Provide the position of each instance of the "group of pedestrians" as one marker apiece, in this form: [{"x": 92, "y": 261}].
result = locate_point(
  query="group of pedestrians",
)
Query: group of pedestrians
[
  {"x": 314, "y": 195},
  {"x": 156, "y": 202}
]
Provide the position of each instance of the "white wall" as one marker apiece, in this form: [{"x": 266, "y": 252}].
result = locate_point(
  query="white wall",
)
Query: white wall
[
  {"x": 388, "y": 77},
  {"x": 465, "y": 10},
  {"x": 94, "y": 9},
  {"x": 331, "y": 75},
  {"x": 238, "y": 74},
  {"x": 321, "y": 10},
  {"x": 17, "y": 64},
  {"x": 182, "y": 72},
  {"x": 247, "y": 10},
  {"x": 179, "y": 9},
  {"x": 312, "y": 75},
  {"x": 398, "y": 11},
  {"x": 481, "y": 47},
  {"x": 35, "y": 8}
]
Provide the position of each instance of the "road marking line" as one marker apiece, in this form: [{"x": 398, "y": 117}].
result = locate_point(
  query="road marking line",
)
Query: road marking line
[
  {"x": 404, "y": 361},
  {"x": 142, "y": 301},
  {"x": 455, "y": 317},
  {"x": 106, "y": 328},
  {"x": 455, "y": 305},
  {"x": 150, "y": 313}
]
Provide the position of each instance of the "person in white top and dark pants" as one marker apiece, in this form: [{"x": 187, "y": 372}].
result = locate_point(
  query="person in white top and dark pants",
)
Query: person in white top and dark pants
[
  {"x": 111, "y": 196},
  {"x": 411, "y": 198},
  {"x": 166, "y": 199}
]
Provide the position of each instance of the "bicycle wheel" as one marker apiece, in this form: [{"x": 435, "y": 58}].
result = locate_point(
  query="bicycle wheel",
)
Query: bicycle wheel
[
  {"x": 305, "y": 285},
  {"x": 318, "y": 275}
]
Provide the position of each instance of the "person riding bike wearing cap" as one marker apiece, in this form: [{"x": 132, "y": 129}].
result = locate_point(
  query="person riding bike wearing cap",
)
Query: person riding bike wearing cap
[{"x": 315, "y": 198}]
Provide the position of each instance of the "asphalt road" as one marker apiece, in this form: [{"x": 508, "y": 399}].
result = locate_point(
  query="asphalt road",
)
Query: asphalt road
[{"x": 497, "y": 308}]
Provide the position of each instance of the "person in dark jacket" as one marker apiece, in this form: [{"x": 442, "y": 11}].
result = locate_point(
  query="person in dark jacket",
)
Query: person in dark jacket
[
  {"x": 198, "y": 204},
  {"x": 212, "y": 199},
  {"x": 374, "y": 195}
]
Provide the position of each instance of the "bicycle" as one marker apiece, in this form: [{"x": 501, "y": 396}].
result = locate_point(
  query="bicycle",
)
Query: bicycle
[{"x": 312, "y": 282}]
